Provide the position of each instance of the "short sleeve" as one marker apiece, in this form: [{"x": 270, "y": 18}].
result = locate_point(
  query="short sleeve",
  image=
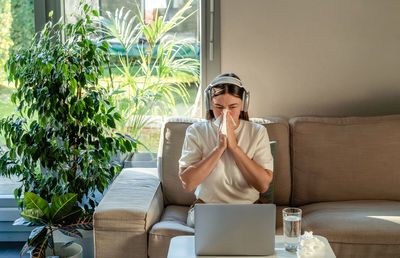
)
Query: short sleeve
[
  {"x": 262, "y": 154},
  {"x": 191, "y": 151}
]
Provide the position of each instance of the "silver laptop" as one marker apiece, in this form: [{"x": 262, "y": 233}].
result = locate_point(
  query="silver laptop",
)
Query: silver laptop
[{"x": 234, "y": 229}]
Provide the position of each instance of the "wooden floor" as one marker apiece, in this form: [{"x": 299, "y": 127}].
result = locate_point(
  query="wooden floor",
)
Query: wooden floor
[{"x": 11, "y": 249}]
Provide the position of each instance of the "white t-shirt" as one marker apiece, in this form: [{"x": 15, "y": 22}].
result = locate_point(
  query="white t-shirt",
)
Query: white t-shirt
[{"x": 226, "y": 184}]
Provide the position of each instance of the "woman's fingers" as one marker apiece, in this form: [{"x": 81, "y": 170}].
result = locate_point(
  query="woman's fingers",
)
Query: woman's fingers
[
  {"x": 222, "y": 141},
  {"x": 220, "y": 125}
]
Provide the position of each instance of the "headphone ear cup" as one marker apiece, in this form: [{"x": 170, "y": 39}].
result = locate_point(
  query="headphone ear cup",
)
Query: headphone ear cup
[
  {"x": 246, "y": 98},
  {"x": 207, "y": 100}
]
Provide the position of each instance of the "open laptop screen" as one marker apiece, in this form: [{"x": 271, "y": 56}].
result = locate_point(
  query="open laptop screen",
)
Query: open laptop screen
[{"x": 234, "y": 229}]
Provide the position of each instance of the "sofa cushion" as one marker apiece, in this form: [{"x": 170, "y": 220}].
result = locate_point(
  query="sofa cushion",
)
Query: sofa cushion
[
  {"x": 339, "y": 159},
  {"x": 354, "y": 222},
  {"x": 365, "y": 250},
  {"x": 172, "y": 223}
]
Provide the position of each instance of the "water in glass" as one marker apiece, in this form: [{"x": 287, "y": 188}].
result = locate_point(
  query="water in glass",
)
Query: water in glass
[{"x": 291, "y": 228}]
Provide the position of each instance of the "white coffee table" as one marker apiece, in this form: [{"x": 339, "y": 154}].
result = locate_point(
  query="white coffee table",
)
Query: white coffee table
[{"x": 183, "y": 247}]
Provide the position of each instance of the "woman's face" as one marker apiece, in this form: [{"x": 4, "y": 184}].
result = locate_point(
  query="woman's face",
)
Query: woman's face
[{"x": 229, "y": 102}]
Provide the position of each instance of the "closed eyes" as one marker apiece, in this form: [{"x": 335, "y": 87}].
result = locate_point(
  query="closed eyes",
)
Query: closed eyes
[{"x": 230, "y": 106}]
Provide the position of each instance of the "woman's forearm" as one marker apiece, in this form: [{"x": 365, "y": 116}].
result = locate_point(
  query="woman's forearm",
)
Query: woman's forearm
[
  {"x": 195, "y": 174},
  {"x": 255, "y": 175}
]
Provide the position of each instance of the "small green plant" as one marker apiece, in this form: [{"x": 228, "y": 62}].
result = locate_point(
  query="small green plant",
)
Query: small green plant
[
  {"x": 63, "y": 139},
  {"x": 150, "y": 83},
  {"x": 62, "y": 214}
]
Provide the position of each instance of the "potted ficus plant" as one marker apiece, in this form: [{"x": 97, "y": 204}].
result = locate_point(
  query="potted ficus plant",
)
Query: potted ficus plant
[
  {"x": 63, "y": 138},
  {"x": 63, "y": 214}
]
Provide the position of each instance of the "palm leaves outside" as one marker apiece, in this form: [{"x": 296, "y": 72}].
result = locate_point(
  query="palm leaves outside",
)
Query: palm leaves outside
[{"x": 149, "y": 84}]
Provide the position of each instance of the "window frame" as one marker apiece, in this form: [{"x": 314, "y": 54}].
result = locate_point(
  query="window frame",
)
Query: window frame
[
  {"x": 41, "y": 9},
  {"x": 210, "y": 41}
]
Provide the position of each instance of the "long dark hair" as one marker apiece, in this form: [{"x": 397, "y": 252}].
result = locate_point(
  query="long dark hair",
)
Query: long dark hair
[{"x": 231, "y": 89}]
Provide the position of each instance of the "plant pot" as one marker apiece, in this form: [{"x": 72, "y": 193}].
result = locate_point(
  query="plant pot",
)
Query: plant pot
[
  {"x": 86, "y": 243},
  {"x": 72, "y": 251}
]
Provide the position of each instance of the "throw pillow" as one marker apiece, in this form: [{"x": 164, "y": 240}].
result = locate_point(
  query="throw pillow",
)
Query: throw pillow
[{"x": 268, "y": 196}]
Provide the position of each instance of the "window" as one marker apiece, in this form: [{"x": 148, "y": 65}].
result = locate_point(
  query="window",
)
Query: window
[{"x": 199, "y": 31}]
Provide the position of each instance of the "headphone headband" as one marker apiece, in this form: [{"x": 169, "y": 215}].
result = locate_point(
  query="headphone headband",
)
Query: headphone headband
[{"x": 226, "y": 80}]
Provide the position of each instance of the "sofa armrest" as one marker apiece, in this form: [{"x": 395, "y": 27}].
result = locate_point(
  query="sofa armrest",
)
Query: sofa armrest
[{"x": 128, "y": 210}]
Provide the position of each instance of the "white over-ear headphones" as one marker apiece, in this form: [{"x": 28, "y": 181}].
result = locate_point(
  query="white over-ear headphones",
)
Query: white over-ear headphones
[{"x": 226, "y": 80}]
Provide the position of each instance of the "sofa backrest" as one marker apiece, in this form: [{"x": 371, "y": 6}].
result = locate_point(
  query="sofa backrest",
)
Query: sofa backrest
[
  {"x": 339, "y": 159},
  {"x": 169, "y": 152},
  {"x": 172, "y": 137}
]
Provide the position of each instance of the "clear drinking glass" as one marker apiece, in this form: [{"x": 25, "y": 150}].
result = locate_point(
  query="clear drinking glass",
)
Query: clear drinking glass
[{"x": 291, "y": 228}]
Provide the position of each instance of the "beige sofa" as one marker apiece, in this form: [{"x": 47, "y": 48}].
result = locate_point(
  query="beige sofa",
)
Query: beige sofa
[{"x": 344, "y": 173}]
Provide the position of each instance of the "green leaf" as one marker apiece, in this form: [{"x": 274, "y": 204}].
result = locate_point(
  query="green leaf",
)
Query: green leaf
[
  {"x": 111, "y": 123},
  {"x": 36, "y": 236},
  {"x": 65, "y": 69},
  {"x": 86, "y": 8},
  {"x": 17, "y": 193},
  {"x": 74, "y": 85},
  {"x": 35, "y": 216},
  {"x": 13, "y": 97},
  {"x": 47, "y": 69},
  {"x": 62, "y": 205},
  {"x": 70, "y": 232},
  {"x": 128, "y": 145},
  {"x": 95, "y": 13},
  {"x": 70, "y": 217},
  {"x": 117, "y": 116},
  {"x": 19, "y": 150},
  {"x": 40, "y": 249},
  {"x": 33, "y": 201},
  {"x": 85, "y": 223}
]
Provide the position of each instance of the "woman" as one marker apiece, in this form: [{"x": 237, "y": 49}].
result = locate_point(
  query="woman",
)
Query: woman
[{"x": 231, "y": 168}]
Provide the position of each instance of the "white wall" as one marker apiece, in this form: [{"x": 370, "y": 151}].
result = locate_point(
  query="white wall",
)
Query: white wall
[{"x": 314, "y": 57}]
